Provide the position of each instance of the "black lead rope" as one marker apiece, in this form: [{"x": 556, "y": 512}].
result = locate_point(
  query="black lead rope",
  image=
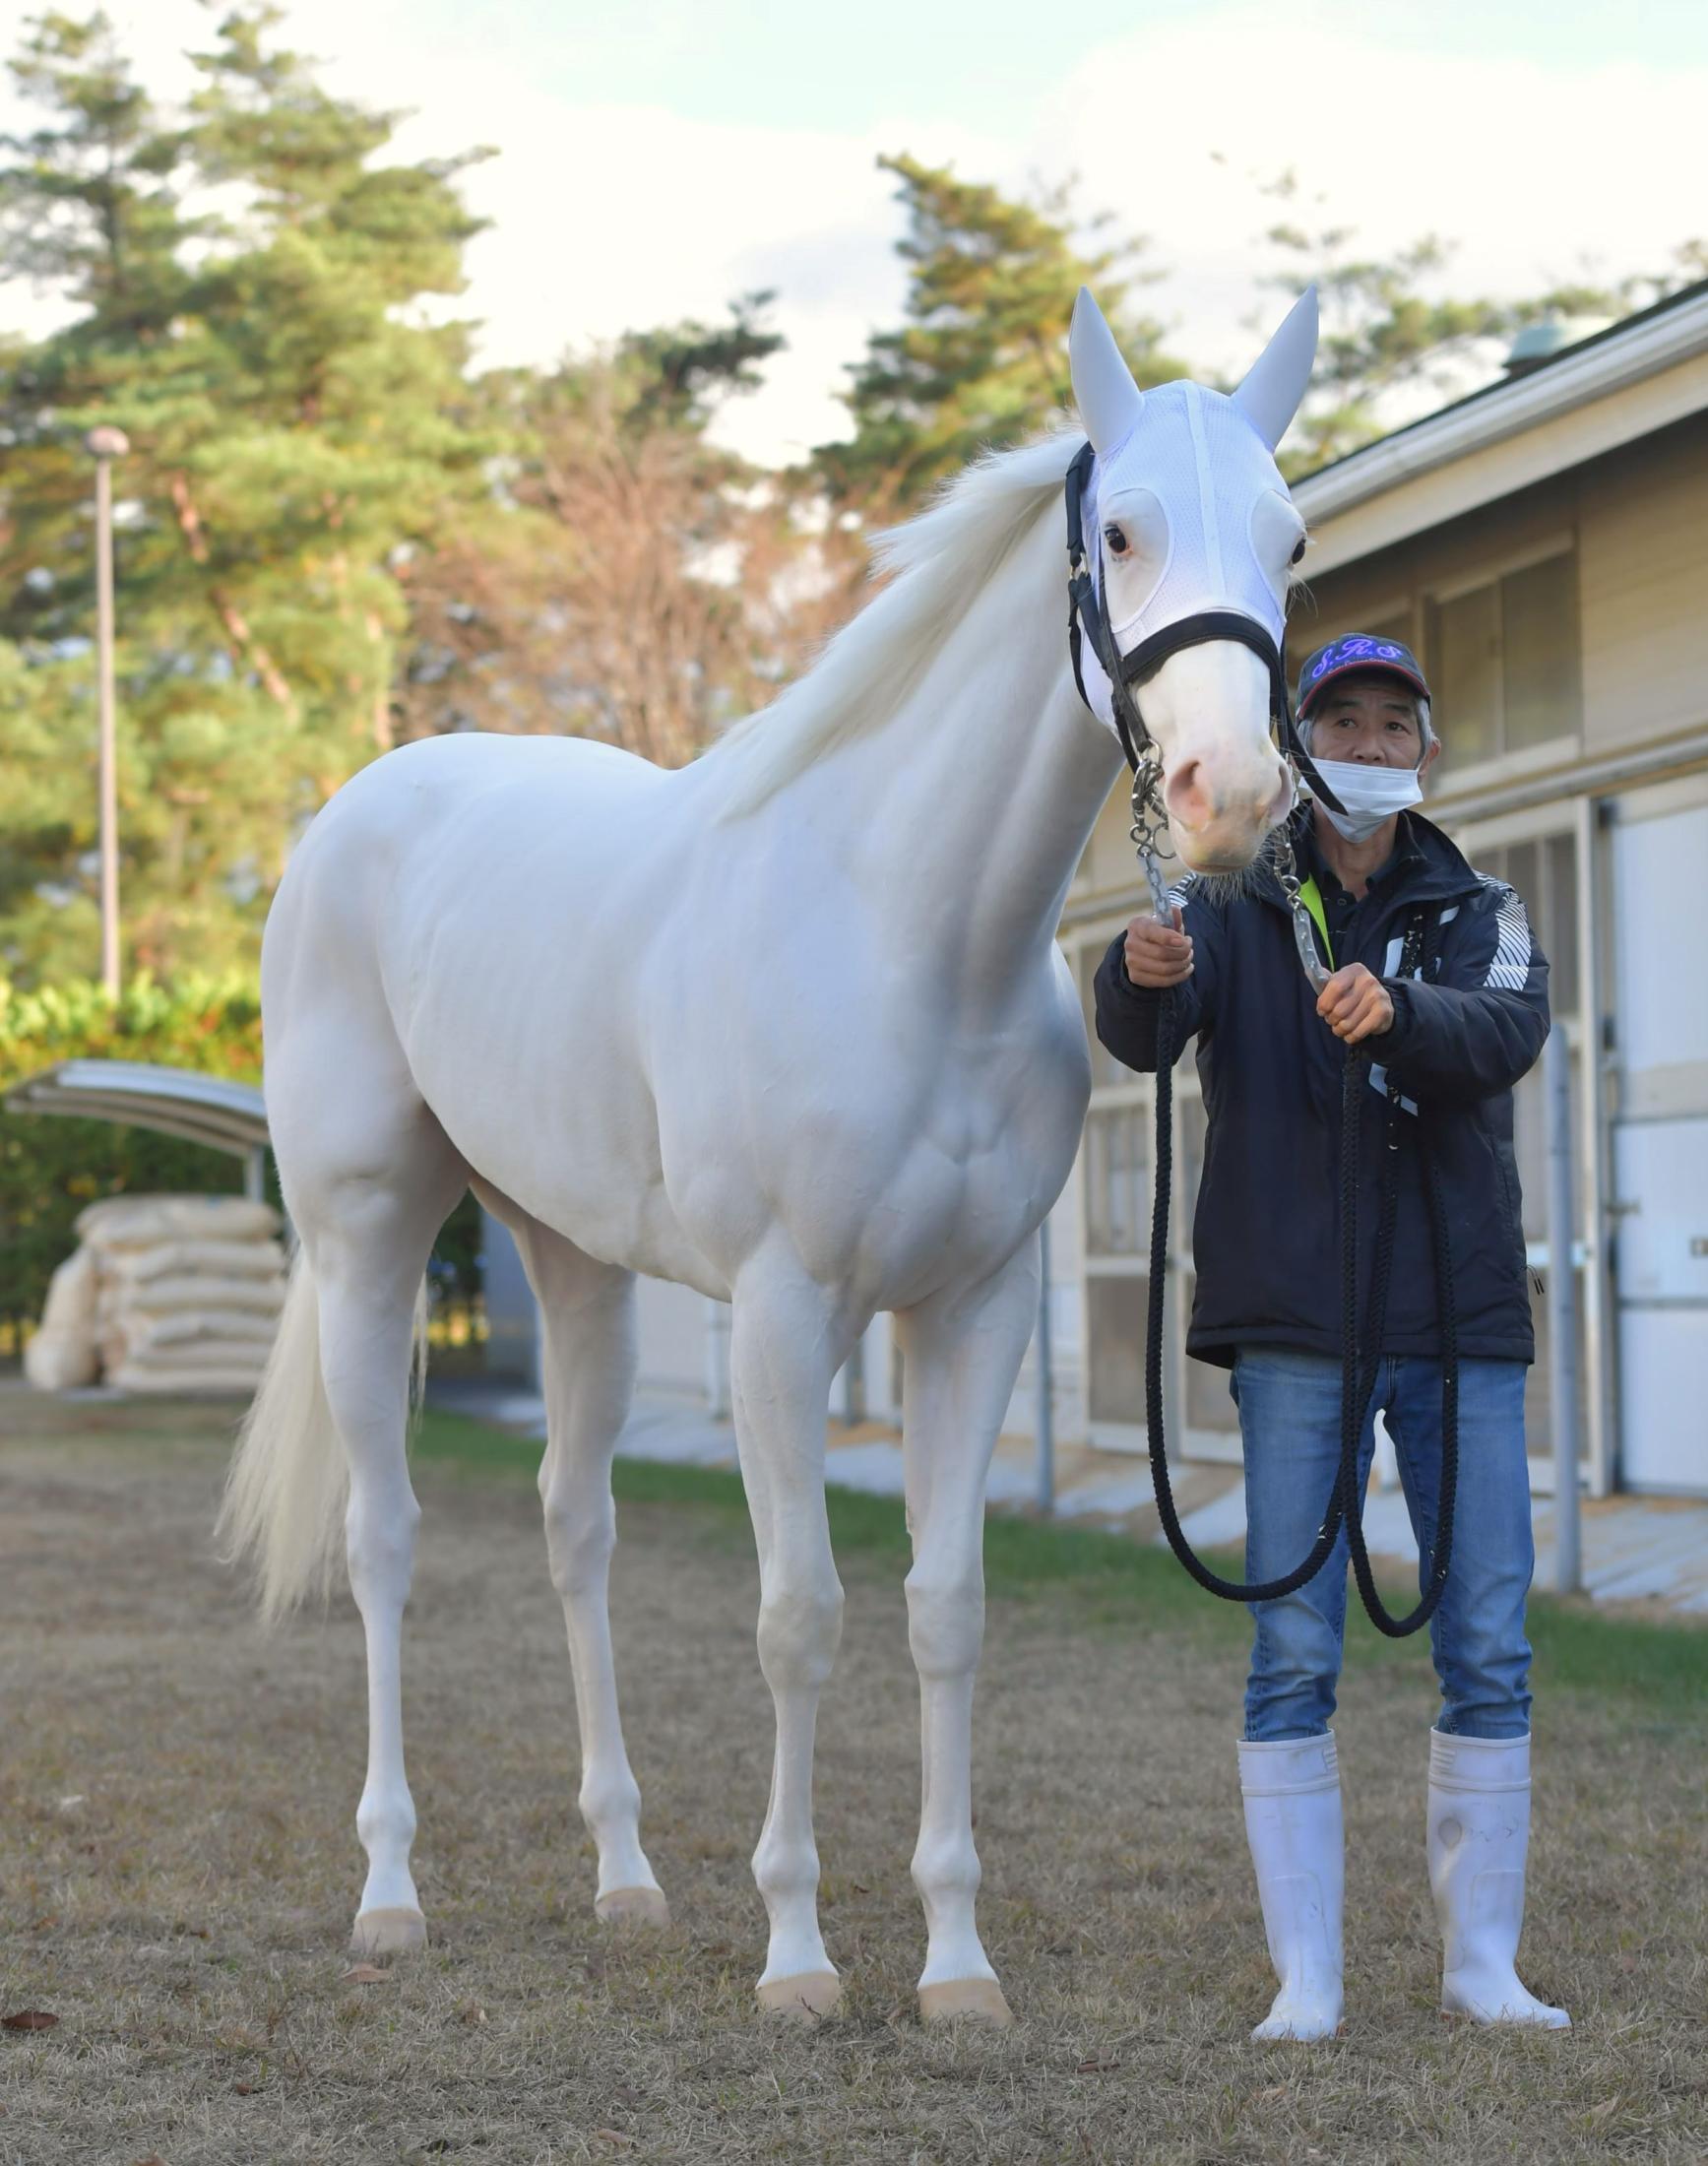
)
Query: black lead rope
[
  {"x": 1087, "y": 621},
  {"x": 1358, "y": 1366}
]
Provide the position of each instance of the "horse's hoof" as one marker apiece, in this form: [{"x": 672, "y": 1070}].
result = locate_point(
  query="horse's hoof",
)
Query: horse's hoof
[
  {"x": 388, "y": 1932},
  {"x": 809, "y": 1997},
  {"x": 633, "y": 1906},
  {"x": 978, "y": 1998}
]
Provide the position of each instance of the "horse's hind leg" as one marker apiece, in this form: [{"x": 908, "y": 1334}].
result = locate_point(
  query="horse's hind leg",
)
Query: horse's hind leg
[
  {"x": 588, "y": 1308},
  {"x": 367, "y": 1204}
]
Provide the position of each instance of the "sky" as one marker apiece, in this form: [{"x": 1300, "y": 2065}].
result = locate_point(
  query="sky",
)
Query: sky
[{"x": 660, "y": 158}]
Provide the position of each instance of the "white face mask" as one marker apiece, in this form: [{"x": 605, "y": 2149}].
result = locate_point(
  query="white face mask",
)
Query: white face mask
[
  {"x": 1188, "y": 475},
  {"x": 1371, "y": 794}
]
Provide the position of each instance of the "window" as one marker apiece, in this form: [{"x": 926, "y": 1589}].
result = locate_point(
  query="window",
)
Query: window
[
  {"x": 1117, "y": 1180},
  {"x": 1502, "y": 662},
  {"x": 1115, "y": 1371}
]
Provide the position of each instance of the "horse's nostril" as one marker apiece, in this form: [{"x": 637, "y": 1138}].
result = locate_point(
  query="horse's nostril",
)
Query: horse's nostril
[{"x": 1186, "y": 796}]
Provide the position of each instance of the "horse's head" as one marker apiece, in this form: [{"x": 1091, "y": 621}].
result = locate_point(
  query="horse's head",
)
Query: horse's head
[{"x": 1187, "y": 512}]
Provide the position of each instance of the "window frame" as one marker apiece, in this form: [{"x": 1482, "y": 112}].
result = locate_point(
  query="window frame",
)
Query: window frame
[{"x": 1503, "y": 765}]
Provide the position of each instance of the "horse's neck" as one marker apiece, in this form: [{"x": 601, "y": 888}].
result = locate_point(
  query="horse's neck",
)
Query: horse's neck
[{"x": 968, "y": 811}]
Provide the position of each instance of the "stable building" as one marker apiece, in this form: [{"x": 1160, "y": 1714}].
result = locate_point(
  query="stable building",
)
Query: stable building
[{"x": 1543, "y": 546}]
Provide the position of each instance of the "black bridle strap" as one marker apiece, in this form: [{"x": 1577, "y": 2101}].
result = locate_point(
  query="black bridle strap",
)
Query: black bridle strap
[
  {"x": 1293, "y": 746},
  {"x": 1084, "y": 611},
  {"x": 1126, "y": 672}
]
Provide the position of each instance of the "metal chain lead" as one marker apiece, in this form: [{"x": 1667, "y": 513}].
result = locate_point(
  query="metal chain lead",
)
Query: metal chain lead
[
  {"x": 1149, "y": 837},
  {"x": 1286, "y": 868},
  {"x": 1150, "y": 829}
]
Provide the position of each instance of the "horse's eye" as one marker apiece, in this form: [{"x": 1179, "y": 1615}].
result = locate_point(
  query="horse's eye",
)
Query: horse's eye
[
  {"x": 1116, "y": 541},
  {"x": 1297, "y": 550}
]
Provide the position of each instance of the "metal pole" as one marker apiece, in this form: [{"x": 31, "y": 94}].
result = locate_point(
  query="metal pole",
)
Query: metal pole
[
  {"x": 717, "y": 1359},
  {"x": 1046, "y": 1382},
  {"x": 105, "y": 445},
  {"x": 1562, "y": 1313},
  {"x": 854, "y": 1384}
]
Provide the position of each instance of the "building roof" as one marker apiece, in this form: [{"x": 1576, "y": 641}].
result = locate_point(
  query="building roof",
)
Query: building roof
[
  {"x": 1638, "y": 374},
  {"x": 198, "y": 1109}
]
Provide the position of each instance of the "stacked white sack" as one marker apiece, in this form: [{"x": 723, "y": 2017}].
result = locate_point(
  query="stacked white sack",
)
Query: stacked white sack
[
  {"x": 188, "y": 1291},
  {"x": 63, "y": 1354}
]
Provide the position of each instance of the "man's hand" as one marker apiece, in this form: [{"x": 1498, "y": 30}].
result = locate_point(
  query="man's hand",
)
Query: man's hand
[
  {"x": 1157, "y": 956},
  {"x": 1353, "y": 1004}
]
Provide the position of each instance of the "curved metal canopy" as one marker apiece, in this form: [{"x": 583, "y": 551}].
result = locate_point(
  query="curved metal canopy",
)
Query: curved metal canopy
[{"x": 200, "y": 1108}]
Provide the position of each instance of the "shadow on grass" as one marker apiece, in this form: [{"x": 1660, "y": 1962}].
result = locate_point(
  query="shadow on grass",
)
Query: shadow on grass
[{"x": 1659, "y": 1668}]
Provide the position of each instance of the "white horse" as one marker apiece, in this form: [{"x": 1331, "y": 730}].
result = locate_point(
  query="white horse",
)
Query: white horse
[{"x": 789, "y": 1026}]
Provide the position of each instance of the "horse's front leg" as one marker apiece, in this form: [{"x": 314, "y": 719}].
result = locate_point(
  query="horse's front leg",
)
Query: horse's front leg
[
  {"x": 781, "y": 1363},
  {"x": 961, "y": 1352}
]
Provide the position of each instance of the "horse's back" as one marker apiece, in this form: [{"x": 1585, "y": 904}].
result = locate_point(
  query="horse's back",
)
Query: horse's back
[
  {"x": 400, "y": 836},
  {"x": 440, "y": 842},
  {"x": 403, "y": 799}
]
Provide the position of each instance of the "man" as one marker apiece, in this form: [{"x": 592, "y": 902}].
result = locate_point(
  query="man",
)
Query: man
[{"x": 1266, "y": 1247}]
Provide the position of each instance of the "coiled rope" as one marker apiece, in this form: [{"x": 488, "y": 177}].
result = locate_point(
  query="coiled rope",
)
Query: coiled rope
[{"x": 1360, "y": 1355}]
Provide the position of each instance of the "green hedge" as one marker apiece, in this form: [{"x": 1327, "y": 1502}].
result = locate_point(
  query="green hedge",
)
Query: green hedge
[{"x": 51, "y": 1166}]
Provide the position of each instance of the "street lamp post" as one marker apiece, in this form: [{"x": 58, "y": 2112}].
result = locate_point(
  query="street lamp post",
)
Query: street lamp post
[{"x": 104, "y": 445}]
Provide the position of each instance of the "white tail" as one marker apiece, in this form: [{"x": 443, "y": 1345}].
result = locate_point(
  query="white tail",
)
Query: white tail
[{"x": 289, "y": 1480}]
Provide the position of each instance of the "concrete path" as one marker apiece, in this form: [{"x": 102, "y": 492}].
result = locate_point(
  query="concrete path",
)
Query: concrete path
[{"x": 1634, "y": 1548}]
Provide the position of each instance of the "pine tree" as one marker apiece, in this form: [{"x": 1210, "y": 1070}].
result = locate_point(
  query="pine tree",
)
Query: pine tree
[
  {"x": 295, "y": 432},
  {"x": 1387, "y": 329},
  {"x": 1381, "y": 331},
  {"x": 981, "y": 360}
]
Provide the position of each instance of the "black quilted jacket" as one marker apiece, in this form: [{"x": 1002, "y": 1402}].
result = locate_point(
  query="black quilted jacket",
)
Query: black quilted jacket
[{"x": 1266, "y": 1239}]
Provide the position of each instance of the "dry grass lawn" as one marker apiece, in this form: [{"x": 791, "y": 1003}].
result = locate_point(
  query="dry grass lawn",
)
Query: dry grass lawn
[{"x": 178, "y": 1860}]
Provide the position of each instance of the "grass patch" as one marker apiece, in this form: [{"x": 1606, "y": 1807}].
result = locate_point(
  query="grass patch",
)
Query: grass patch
[
  {"x": 180, "y": 1863},
  {"x": 1660, "y": 1668}
]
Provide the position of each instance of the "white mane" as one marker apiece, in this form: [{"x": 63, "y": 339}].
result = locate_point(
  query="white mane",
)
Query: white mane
[{"x": 942, "y": 559}]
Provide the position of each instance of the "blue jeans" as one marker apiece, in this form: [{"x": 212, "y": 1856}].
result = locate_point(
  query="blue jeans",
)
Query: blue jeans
[{"x": 1289, "y": 1421}]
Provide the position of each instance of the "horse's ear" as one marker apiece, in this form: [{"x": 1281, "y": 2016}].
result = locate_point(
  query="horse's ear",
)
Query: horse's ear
[
  {"x": 1104, "y": 388},
  {"x": 1278, "y": 378}
]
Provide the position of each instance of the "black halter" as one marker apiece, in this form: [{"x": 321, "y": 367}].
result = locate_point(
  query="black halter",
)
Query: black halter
[{"x": 1126, "y": 672}]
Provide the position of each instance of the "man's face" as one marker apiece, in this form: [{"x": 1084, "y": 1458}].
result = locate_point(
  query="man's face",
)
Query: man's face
[{"x": 1370, "y": 719}]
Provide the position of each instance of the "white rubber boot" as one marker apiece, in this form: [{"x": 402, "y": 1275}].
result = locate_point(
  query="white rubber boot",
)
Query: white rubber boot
[
  {"x": 1479, "y": 1834},
  {"x": 1293, "y": 1822}
]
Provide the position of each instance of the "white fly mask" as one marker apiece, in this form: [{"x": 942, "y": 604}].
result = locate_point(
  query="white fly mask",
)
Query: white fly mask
[{"x": 1185, "y": 483}]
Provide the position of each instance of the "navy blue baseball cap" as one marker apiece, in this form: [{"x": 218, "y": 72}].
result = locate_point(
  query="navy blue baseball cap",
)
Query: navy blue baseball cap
[{"x": 1356, "y": 651}]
